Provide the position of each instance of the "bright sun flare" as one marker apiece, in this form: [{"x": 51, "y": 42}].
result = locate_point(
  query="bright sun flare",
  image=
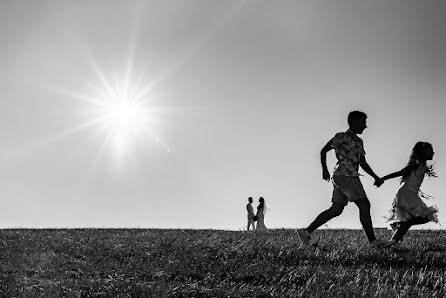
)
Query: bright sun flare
[
  {"x": 122, "y": 111},
  {"x": 124, "y": 117},
  {"x": 122, "y": 107},
  {"x": 124, "y": 120}
]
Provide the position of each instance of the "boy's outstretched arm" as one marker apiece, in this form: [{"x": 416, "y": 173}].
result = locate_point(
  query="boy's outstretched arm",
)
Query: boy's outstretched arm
[
  {"x": 325, "y": 149},
  {"x": 365, "y": 166}
]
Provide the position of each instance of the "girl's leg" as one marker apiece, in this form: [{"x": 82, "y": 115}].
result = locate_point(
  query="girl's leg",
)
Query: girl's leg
[
  {"x": 404, "y": 226},
  {"x": 365, "y": 218},
  {"x": 335, "y": 210}
]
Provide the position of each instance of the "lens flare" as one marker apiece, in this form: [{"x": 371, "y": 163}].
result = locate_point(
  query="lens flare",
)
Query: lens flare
[{"x": 125, "y": 120}]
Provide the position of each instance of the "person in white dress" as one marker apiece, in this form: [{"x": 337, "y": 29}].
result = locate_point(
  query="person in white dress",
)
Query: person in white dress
[
  {"x": 249, "y": 209},
  {"x": 261, "y": 210},
  {"x": 408, "y": 208}
]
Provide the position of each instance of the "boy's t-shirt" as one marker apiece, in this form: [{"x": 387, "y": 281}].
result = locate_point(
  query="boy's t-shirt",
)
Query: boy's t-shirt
[{"x": 349, "y": 149}]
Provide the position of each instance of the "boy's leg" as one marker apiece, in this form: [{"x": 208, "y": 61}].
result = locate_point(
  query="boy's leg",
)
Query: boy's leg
[
  {"x": 339, "y": 201},
  {"x": 404, "y": 226},
  {"x": 365, "y": 218},
  {"x": 335, "y": 210}
]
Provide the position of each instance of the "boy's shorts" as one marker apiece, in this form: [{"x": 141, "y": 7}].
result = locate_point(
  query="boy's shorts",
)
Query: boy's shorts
[{"x": 347, "y": 189}]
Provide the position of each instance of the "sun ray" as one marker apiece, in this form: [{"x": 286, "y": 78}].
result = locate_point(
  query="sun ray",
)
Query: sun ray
[
  {"x": 106, "y": 85},
  {"x": 32, "y": 148},
  {"x": 87, "y": 98}
]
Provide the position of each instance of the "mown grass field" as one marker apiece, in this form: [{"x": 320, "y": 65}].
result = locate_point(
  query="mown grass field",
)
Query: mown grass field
[{"x": 213, "y": 263}]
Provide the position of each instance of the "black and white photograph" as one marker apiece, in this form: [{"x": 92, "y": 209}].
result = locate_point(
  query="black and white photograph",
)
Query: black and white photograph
[{"x": 222, "y": 148}]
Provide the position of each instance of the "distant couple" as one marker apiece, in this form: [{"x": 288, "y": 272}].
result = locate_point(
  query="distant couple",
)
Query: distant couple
[
  {"x": 259, "y": 217},
  {"x": 408, "y": 209}
]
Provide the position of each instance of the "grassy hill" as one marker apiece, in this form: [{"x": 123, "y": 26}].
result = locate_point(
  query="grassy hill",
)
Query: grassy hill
[{"x": 214, "y": 263}]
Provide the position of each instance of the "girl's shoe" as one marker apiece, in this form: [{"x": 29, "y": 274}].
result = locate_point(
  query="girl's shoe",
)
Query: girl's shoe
[
  {"x": 395, "y": 225},
  {"x": 378, "y": 243},
  {"x": 389, "y": 243}
]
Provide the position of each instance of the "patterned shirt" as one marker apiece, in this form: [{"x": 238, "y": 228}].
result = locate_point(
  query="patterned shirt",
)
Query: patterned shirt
[{"x": 349, "y": 149}]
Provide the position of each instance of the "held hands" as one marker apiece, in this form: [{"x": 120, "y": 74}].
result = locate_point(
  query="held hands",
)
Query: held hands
[{"x": 378, "y": 181}]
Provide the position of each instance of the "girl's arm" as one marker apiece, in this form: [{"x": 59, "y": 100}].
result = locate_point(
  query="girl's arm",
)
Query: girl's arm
[{"x": 403, "y": 172}]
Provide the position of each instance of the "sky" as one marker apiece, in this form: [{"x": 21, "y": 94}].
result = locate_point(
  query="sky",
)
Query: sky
[{"x": 230, "y": 99}]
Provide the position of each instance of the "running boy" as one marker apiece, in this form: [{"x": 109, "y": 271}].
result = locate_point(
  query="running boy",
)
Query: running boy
[{"x": 347, "y": 186}]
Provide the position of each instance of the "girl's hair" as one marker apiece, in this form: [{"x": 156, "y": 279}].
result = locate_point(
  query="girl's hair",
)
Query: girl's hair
[{"x": 419, "y": 156}]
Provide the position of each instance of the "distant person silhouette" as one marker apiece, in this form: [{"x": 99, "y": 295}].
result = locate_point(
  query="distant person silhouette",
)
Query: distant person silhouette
[
  {"x": 408, "y": 208},
  {"x": 251, "y": 221},
  {"x": 261, "y": 210},
  {"x": 347, "y": 186}
]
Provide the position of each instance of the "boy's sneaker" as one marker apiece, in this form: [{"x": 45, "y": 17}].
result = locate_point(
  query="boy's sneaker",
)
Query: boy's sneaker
[{"x": 304, "y": 236}]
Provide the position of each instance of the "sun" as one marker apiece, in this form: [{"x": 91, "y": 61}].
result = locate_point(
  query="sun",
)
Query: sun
[
  {"x": 121, "y": 105},
  {"x": 124, "y": 114},
  {"x": 124, "y": 119}
]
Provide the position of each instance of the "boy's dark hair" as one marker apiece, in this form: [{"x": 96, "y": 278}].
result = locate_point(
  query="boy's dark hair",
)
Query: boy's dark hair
[{"x": 355, "y": 115}]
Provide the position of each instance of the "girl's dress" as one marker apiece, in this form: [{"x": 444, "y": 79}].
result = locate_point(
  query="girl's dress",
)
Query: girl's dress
[
  {"x": 408, "y": 203},
  {"x": 261, "y": 221}
]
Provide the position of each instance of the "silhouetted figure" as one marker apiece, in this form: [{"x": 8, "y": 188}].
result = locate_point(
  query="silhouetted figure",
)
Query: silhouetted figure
[
  {"x": 408, "y": 208},
  {"x": 251, "y": 221},
  {"x": 347, "y": 186},
  {"x": 261, "y": 210}
]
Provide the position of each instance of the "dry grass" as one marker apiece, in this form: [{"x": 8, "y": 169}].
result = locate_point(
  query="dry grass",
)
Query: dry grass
[{"x": 212, "y": 263}]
